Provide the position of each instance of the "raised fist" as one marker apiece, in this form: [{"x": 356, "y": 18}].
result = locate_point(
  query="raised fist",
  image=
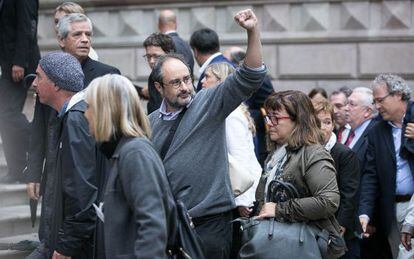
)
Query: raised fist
[{"x": 246, "y": 19}]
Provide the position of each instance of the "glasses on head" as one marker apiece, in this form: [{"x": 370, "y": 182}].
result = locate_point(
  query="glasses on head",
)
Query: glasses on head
[
  {"x": 148, "y": 57},
  {"x": 176, "y": 83},
  {"x": 272, "y": 119},
  {"x": 380, "y": 100}
]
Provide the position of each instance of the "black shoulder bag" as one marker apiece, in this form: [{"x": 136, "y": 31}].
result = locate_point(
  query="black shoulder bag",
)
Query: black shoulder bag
[{"x": 268, "y": 238}]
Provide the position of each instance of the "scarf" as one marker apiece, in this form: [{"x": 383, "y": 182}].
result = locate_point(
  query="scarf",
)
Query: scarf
[{"x": 276, "y": 162}]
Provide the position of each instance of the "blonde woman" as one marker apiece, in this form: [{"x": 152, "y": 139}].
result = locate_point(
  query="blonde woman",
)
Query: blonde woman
[{"x": 137, "y": 199}]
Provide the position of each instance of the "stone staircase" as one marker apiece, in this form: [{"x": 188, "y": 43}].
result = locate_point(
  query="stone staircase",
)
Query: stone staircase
[{"x": 15, "y": 223}]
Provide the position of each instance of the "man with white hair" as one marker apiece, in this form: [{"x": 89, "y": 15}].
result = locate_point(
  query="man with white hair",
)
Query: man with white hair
[{"x": 359, "y": 113}]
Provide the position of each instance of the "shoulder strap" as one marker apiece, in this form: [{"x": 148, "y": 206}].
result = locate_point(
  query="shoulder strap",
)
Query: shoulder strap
[{"x": 173, "y": 129}]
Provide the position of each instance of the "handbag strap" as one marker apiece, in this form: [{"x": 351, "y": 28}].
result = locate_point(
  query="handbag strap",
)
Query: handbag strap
[{"x": 171, "y": 133}]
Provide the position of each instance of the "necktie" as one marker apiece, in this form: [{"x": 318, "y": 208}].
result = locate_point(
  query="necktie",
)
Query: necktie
[
  {"x": 339, "y": 136},
  {"x": 350, "y": 138}
]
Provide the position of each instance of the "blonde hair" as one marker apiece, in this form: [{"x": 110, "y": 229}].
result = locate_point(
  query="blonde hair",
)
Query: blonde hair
[
  {"x": 116, "y": 108},
  {"x": 221, "y": 71},
  {"x": 69, "y": 7}
]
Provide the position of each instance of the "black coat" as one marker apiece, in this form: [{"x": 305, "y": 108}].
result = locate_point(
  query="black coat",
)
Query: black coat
[
  {"x": 379, "y": 175},
  {"x": 38, "y": 144},
  {"x": 155, "y": 98},
  {"x": 18, "y": 35},
  {"x": 93, "y": 69},
  {"x": 138, "y": 204},
  {"x": 255, "y": 103},
  {"x": 68, "y": 217},
  {"x": 360, "y": 147},
  {"x": 183, "y": 48},
  {"x": 347, "y": 169}
]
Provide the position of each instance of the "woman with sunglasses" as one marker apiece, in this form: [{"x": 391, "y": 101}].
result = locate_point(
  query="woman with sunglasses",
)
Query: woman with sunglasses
[{"x": 297, "y": 157}]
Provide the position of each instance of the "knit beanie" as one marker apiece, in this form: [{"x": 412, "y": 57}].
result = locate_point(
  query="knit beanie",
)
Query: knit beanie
[{"x": 64, "y": 70}]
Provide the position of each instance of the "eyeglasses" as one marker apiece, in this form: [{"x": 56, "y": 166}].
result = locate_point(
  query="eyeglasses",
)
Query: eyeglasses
[
  {"x": 272, "y": 119},
  {"x": 148, "y": 57},
  {"x": 176, "y": 83},
  {"x": 380, "y": 100}
]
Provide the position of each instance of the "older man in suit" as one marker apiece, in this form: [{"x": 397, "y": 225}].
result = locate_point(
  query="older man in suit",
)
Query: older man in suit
[
  {"x": 74, "y": 35},
  {"x": 388, "y": 174},
  {"x": 19, "y": 55},
  {"x": 360, "y": 114}
]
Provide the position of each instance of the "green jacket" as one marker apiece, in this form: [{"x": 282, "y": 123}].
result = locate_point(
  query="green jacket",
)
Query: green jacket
[{"x": 314, "y": 176}]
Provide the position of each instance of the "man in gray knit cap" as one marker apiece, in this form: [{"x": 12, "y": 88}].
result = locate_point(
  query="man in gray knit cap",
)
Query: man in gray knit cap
[{"x": 68, "y": 220}]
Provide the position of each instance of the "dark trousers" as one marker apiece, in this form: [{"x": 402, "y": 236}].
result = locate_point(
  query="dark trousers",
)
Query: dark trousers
[
  {"x": 14, "y": 126},
  {"x": 354, "y": 249},
  {"x": 215, "y": 232},
  {"x": 376, "y": 246}
]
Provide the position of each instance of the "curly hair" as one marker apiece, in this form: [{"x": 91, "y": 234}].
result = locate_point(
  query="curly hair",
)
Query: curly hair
[{"x": 394, "y": 83}]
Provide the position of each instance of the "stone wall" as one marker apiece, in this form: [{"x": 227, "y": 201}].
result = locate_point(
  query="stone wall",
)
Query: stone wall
[{"x": 306, "y": 43}]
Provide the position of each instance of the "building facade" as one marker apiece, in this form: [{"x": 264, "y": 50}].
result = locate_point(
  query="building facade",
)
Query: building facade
[{"x": 306, "y": 43}]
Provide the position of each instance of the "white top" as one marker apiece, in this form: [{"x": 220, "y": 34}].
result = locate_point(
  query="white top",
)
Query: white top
[
  {"x": 240, "y": 146},
  {"x": 92, "y": 54},
  {"x": 345, "y": 133}
]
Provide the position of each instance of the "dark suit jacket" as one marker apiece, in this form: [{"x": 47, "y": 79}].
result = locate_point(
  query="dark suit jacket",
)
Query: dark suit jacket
[
  {"x": 18, "y": 35},
  {"x": 155, "y": 98},
  {"x": 218, "y": 59},
  {"x": 360, "y": 147},
  {"x": 38, "y": 146},
  {"x": 379, "y": 175},
  {"x": 347, "y": 174},
  {"x": 184, "y": 49},
  {"x": 93, "y": 69}
]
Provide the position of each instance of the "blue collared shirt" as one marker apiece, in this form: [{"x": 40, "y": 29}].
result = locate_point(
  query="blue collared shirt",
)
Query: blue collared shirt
[
  {"x": 63, "y": 109},
  {"x": 404, "y": 180},
  {"x": 358, "y": 132},
  {"x": 169, "y": 116}
]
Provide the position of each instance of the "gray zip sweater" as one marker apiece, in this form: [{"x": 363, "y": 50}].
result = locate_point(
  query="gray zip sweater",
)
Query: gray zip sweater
[{"x": 197, "y": 156}]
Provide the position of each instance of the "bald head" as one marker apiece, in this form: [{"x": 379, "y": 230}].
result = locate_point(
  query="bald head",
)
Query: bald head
[
  {"x": 167, "y": 21},
  {"x": 235, "y": 54}
]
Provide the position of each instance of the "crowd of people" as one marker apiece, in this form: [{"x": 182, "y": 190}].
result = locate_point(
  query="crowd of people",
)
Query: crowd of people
[{"x": 109, "y": 172}]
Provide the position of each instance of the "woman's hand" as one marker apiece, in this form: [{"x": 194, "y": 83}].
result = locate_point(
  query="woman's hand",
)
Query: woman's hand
[
  {"x": 268, "y": 210},
  {"x": 244, "y": 211}
]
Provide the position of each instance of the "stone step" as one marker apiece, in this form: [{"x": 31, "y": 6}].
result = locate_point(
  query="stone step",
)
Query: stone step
[
  {"x": 13, "y": 254},
  {"x": 15, "y": 220},
  {"x": 18, "y": 254},
  {"x": 13, "y": 194}
]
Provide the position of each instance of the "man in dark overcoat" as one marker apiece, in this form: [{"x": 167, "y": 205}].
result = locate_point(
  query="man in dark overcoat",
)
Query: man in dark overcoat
[{"x": 68, "y": 218}]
